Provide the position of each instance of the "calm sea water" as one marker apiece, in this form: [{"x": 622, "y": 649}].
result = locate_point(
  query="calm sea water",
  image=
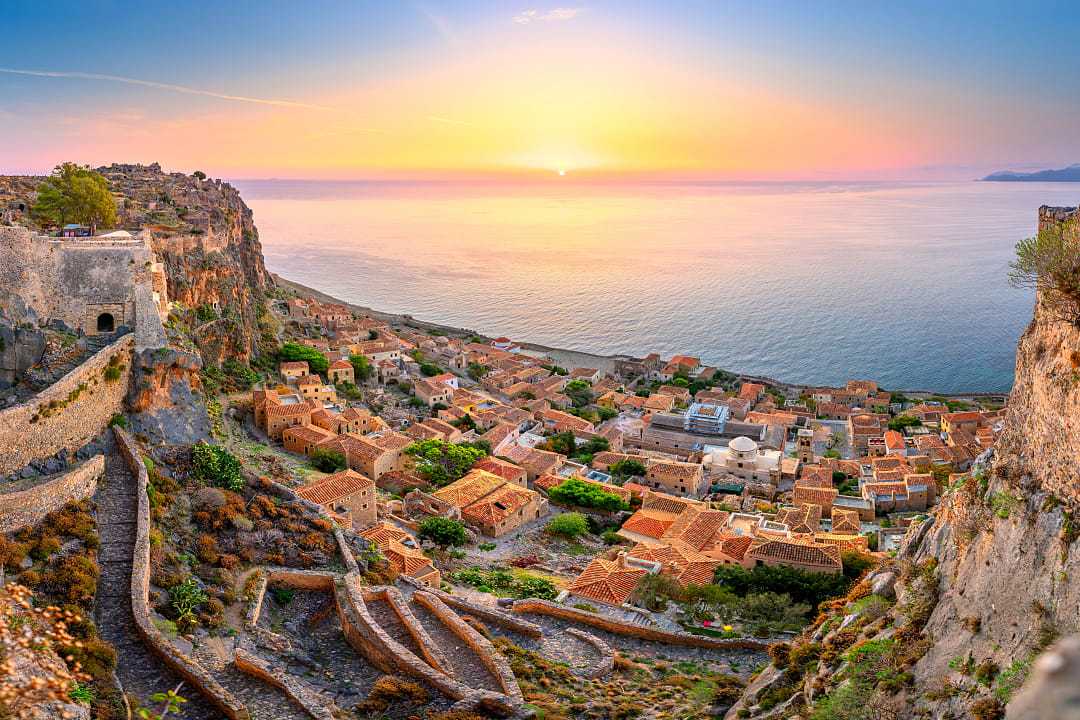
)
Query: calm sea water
[{"x": 815, "y": 283}]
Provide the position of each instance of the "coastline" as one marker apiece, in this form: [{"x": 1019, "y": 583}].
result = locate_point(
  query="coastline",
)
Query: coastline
[{"x": 570, "y": 358}]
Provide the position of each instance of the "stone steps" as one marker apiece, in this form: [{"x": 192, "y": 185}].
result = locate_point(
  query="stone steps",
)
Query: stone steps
[
  {"x": 140, "y": 671},
  {"x": 467, "y": 667}
]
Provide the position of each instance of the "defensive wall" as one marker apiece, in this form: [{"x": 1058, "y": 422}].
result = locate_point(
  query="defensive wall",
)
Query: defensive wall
[{"x": 23, "y": 508}]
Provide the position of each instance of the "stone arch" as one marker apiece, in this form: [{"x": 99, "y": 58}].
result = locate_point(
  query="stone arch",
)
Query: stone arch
[{"x": 106, "y": 322}]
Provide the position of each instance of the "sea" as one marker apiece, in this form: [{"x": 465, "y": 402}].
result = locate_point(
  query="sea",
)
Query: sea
[{"x": 816, "y": 283}]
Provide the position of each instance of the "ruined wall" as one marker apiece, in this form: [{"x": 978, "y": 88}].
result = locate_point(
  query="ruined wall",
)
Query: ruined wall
[
  {"x": 67, "y": 414},
  {"x": 297, "y": 690},
  {"x": 545, "y": 607},
  {"x": 27, "y": 507}
]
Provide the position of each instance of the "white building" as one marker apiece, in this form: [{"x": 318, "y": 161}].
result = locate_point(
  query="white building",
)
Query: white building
[{"x": 744, "y": 459}]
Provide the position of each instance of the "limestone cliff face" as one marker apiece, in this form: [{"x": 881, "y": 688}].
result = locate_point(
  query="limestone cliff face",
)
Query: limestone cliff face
[
  {"x": 206, "y": 238},
  {"x": 1005, "y": 544},
  {"x": 989, "y": 581}
]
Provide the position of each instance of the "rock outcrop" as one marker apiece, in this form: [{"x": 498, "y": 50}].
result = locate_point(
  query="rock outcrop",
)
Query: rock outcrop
[{"x": 983, "y": 587}]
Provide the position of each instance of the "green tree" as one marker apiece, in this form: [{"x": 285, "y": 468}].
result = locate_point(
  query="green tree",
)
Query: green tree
[
  {"x": 328, "y": 460},
  {"x": 75, "y": 193},
  {"x": 295, "y": 352},
  {"x": 563, "y": 442},
  {"x": 577, "y": 492},
  {"x": 568, "y": 525},
  {"x": 1049, "y": 260},
  {"x": 444, "y": 532},
  {"x": 477, "y": 371},
  {"x": 440, "y": 462},
  {"x": 199, "y": 174},
  {"x": 900, "y": 422},
  {"x": 627, "y": 468},
  {"x": 361, "y": 366},
  {"x": 579, "y": 392}
]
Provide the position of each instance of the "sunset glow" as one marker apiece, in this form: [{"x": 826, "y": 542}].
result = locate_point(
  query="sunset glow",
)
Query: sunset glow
[{"x": 604, "y": 90}]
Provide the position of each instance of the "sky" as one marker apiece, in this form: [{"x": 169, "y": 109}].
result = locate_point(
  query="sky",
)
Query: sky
[{"x": 757, "y": 90}]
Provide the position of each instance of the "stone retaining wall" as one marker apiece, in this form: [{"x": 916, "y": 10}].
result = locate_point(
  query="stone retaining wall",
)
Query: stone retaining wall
[
  {"x": 601, "y": 667},
  {"x": 489, "y": 614},
  {"x": 298, "y": 691},
  {"x": 188, "y": 668},
  {"x": 545, "y": 607},
  {"x": 24, "y": 508},
  {"x": 390, "y": 656},
  {"x": 428, "y": 648},
  {"x": 68, "y": 413},
  {"x": 489, "y": 656}
]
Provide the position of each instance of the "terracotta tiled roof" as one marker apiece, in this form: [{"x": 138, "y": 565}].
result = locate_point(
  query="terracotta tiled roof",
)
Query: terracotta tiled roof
[
  {"x": 845, "y": 522},
  {"x": 649, "y": 522},
  {"x": 607, "y": 581},
  {"x": 815, "y": 495},
  {"x": 797, "y": 552},
  {"x": 673, "y": 470},
  {"x": 308, "y": 433},
  {"x": 334, "y": 487},
  {"x": 340, "y": 365},
  {"x": 498, "y": 505},
  {"x": 668, "y": 503},
  {"x": 473, "y": 486},
  {"x": 292, "y": 410},
  {"x": 804, "y": 518},
  {"x": 383, "y": 532},
  {"x": 505, "y": 470}
]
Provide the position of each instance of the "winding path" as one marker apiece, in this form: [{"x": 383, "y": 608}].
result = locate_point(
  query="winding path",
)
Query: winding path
[{"x": 140, "y": 671}]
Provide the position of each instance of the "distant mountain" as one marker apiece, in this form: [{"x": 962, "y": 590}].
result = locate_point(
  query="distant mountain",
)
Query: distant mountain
[{"x": 1069, "y": 174}]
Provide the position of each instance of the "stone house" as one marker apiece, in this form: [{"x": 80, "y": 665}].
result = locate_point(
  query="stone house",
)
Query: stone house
[
  {"x": 802, "y": 554},
  {"x": 678, "y": 478},
  {"x": 346, "y": 494},
  {"x": 491, "y": 504},
  {"x": 303, "y": 439},
  {"x": 433, "y": 393},
  {"x": 341, "y": 371},
  {"x": 363, "y": 455},
  {"x": 293, "y": 369},
  {"x": 403, "y": 553},
  {"x": 312, "y": 388}
]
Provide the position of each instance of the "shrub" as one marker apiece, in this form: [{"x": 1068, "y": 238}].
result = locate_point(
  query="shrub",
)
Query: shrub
[
  {"x": 206, "y": 548},
  {"x": 627, "y": 468},
  {"x": 118, "y": 420},
  {"x": 112, "y": 373},
  {"x": 577, "y": 492},
  {"x": 610, "y": 537},
  {"x": 185, "y": 598},
  {"x": 328, "y": 460},
  {"x": 987, "y": 709},
  {"x": 1050, "y": 261},
  {"x": 72, "y": 580},
  {"x": 486, "y": 546},
  {"x": 391, "y": 690},
  {"x": 568, "y": 525},
  {"x": 444, "y": 532},
  {"x": 294, "y": 352},
  {"x": 214, "y": 465}
]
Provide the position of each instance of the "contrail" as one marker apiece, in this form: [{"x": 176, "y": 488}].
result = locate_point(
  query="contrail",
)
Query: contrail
[{"x": 162, "y": 86}]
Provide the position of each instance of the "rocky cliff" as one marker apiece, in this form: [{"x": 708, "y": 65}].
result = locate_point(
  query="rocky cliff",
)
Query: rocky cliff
[
  {"x": 204, "y": 235},
  {"x": 953, "y": 627}
]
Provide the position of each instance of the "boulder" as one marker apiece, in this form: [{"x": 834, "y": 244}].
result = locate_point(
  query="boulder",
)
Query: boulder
[{"x": 884, "y": 585}]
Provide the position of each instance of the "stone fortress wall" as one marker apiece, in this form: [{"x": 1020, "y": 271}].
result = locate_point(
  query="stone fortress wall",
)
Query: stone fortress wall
[
  {"x": 67, "y": 414},
  {"x": 75, "y": 281},
  {"x": 25, "y": 508}
]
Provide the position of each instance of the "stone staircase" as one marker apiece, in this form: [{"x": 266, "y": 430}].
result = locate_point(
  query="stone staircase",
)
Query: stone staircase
[
  {"x": 465, "y": 665},
  {"x": 140, "y": 671}
]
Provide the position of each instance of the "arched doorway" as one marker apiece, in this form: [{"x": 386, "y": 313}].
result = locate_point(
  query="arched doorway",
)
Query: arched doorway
[{"x": 105, "y": 322}]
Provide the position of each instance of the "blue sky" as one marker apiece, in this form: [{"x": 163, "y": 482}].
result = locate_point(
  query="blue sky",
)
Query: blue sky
[{"x": 888, "y": 88}]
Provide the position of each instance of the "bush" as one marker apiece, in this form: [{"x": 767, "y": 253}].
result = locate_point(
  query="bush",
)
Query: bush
[
  {"x": 627, "y": 468},
  {"x": 520, "y": 585},
  {"x": 444, "y": 532},
  {"x": 362, "y": 369},
  {"x": 294, "y": 352},
  {"x": 118, "y": 420},
  {"x": 241, "y": 376},
  {"x": 568, "y": 525},
  {"x": 214, "y": 465},
  {"x": 801, "y": 585},
  {"x": 577, "y": 492},
  {"x": 440, "y": 462},
  {"x": 327, "y": 460},
  {"x": 1050, "y": 261},
  {"x": 391, "y": 690},
  {"x": 610, "y": 537}
]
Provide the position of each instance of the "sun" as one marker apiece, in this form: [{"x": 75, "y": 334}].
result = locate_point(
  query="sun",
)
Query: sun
[{"x": 562, "y": 173}]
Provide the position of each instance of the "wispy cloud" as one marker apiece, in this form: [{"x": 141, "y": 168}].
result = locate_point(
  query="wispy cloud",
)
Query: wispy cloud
[
  {"x": 442, "y": 25},
  {"x": 161, "y": 86},
  {"x": 559, "y": 13}
]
